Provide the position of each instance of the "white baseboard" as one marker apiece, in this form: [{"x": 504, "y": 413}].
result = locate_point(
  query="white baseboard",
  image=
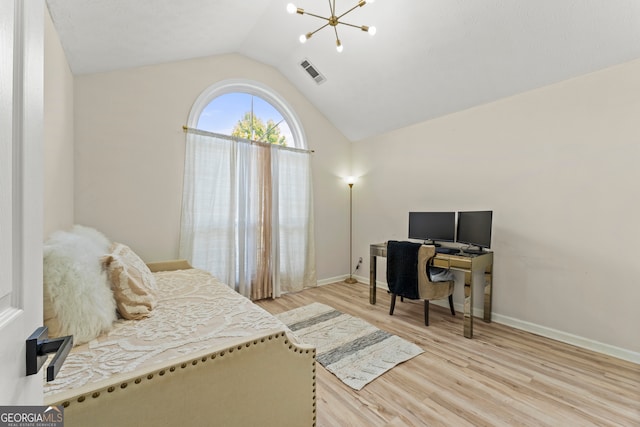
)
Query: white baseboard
[
  {"x": 333, "y": 280},
  {"x": 544, "y": 331},
  {"x": 568, "y": 338}
]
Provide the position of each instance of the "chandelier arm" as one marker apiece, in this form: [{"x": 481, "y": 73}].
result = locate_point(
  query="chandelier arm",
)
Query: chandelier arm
[
  {"x": 350, "y": 10},
  {"x": 316, "y": 16},
  {"x": 334, "y": 21},
  {"x": 350, "y": 25},
  {"x": 313, "y": 32}
]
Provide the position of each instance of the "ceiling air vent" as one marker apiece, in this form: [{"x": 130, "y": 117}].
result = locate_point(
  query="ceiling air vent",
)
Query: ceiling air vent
[{"x": 312, "y": 71}]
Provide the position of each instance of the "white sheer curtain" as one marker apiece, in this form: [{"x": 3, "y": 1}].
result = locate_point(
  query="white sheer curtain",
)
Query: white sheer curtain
[
  {"x": 208, "y": 217},
  {"x": 295, "y": 244},
  {"x": 247, "y": 215}
]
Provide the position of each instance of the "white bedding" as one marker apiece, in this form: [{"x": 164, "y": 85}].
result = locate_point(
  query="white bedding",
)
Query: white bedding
[{"x": 195, "y": 312}]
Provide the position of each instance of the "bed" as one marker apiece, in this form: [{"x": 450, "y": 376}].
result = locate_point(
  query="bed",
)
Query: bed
[{"x": 206, "y": 356}]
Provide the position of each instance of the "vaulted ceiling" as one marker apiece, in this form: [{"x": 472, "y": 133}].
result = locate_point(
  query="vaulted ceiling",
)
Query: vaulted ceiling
[{"x": 429, "y": 57}]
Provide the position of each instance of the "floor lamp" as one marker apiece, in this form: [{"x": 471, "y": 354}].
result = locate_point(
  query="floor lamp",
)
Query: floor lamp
[{"x": 350, "y": 180}]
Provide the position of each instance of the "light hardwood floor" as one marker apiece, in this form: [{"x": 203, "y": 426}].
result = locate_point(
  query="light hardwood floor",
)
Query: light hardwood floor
[{"x": 501, "y": 377}]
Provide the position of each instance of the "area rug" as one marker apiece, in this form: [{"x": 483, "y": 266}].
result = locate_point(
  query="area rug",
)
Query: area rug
[{"x": 353, "y": 350}]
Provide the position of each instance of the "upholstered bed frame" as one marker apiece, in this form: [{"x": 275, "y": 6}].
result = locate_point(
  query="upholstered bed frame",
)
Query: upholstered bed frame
[{"x": 264, "y": 380}]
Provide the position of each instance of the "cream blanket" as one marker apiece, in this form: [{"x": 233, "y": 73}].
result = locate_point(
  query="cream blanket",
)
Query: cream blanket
[{"x": 195, "y": 312}]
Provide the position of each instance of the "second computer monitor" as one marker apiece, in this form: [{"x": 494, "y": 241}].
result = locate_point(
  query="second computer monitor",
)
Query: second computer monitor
[
  {"x": 433, "y": 226},
  {"x": 474, "y": 228}
]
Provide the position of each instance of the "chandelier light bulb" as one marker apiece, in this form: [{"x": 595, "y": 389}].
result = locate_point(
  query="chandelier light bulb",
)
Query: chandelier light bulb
[
  {"x": 371, "y": 1},
  {"x": 332, "y": 21}
]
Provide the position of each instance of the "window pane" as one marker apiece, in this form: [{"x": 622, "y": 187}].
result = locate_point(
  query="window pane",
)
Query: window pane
[
  {"x": 230, "y": 114},
  {"x": 223, "y": 112},
  {"x": 272, "y": 120}
]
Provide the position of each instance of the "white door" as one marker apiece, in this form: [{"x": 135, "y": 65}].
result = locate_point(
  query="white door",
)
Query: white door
[{"x": 21, "y": 121}]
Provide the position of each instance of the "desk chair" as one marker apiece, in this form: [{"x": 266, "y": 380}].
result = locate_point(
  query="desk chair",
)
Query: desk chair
[{"x": 427, "y": 290}]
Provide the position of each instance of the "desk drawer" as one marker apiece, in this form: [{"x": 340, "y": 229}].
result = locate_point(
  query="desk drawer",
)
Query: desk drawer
[
  {"x": 452, "y": 261},
  {"x": 440, "y": 262},
  {"x": 460, "y": 262}
]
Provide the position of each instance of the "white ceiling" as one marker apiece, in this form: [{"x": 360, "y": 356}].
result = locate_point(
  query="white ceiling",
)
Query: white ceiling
[{"x": 428, "y": 58}]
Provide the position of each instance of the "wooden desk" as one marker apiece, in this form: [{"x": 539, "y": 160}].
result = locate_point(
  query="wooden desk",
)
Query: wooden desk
[{"x": 467, "y": 263}]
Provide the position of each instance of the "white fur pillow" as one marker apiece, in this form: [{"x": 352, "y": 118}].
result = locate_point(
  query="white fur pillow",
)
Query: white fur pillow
[
  {"x": 93, "y": 235},
  {"x": 78, "y": 299}
]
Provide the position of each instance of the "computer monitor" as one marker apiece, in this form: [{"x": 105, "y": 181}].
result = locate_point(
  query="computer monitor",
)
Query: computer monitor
[
  {"x": 474, "y": 229},
  {"x": 433, "y": 226}
]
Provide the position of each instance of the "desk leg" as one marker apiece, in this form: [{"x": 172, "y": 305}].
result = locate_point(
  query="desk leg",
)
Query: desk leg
[
  {"x": 468, "y": 304},
  {"x": 488, "y": 285},
  {"x": 372, "y": 279}
]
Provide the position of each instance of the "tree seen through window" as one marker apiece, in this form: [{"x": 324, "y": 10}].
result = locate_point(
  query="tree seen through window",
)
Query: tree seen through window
[
  {"x": 246, "y": 116},
  {"x": 254, "y": 128}
]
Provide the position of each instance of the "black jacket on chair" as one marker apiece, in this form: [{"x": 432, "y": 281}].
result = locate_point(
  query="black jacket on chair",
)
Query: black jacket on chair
[{"x": 402, "y": 268}]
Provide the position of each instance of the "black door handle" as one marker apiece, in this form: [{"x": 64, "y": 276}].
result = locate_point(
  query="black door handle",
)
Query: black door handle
[{"x": 38, "y": 346}]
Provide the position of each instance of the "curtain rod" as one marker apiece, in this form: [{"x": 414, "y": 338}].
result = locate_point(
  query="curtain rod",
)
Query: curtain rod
[{"x": 187, "y": 129}]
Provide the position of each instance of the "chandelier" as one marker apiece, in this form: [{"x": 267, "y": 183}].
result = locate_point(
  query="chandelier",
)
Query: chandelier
[{"x": 334, "y": 20}]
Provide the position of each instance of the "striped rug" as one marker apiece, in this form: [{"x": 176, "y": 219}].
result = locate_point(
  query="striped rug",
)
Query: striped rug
[{"x": 350, "y": 348}]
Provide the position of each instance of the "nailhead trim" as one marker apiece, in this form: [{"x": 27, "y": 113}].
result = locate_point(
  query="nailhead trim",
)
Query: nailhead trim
[{"x": 213, "y": 356}]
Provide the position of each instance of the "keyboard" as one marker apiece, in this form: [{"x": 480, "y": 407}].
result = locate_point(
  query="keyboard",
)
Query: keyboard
[{"x": 449, "y": 251}]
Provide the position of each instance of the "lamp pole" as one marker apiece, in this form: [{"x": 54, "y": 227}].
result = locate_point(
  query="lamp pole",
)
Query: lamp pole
[{"x": 350, "y": 279}]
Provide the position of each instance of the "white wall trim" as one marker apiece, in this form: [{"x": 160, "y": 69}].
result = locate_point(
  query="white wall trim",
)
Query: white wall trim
[
  {"x": 565, "y": 337},
  {"x": 568, "y": 338},
  {"x": 333, "y": 280}
]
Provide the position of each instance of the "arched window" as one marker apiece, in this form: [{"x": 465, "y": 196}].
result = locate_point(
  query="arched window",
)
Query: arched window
[
  {"x": 247, "y": 208},
  {"x": 247, "y": 109}
]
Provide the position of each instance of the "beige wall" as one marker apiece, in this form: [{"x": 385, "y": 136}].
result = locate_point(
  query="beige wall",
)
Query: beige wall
[
  {"x": 130, "y": 154},
  {"x": 559, "y": 168},
  {"x": 556, "y": 166},
  {"x": 58, "y": 134}
]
